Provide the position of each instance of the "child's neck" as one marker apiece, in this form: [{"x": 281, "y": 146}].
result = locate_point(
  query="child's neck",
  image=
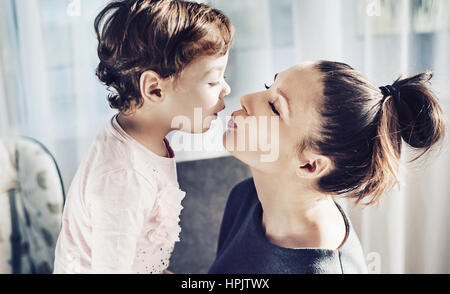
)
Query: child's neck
[{"x": 150, "y": 134}]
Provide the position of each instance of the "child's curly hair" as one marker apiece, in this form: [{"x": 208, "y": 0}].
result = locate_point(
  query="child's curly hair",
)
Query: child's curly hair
[{"x": 160, "y": 35}]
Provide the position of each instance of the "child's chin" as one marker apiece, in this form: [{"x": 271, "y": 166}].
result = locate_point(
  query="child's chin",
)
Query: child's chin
[{"x": 203, "y": 130}]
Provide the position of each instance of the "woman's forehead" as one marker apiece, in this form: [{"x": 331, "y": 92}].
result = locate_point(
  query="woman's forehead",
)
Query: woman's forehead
[
  {"x": 302, "y": 73},
  {"x": 303, "y": 84}
]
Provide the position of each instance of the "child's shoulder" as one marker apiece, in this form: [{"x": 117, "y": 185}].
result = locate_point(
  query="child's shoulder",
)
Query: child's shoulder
[
  {"x": 113, "y": 155},
  {"x": 109, "y": 152},
  {"x": 108, "y": 157},
  {"x": 126, "y": 176}
]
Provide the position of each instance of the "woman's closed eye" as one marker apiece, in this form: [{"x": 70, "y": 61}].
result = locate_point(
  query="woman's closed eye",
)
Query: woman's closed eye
[{"x": 272, "y": 106}]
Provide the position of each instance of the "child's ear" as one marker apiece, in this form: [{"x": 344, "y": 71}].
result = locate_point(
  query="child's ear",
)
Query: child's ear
[{"x": 150, "y": 87}]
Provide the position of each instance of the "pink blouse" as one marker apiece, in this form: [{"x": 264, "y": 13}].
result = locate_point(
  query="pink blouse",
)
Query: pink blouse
[{"x": 122, "y": 211}]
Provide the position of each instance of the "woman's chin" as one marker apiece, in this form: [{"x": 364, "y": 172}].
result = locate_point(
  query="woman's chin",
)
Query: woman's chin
[
  {"x": 250, "y": 158},
  {"x": 228, "y": 140},
  {"x": 224, "y": 140},
  {"x": 230, "y": 146}
]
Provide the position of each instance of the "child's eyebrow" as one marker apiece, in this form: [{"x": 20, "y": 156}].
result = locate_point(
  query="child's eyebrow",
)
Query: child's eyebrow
[{"x": 217, "y": 67}]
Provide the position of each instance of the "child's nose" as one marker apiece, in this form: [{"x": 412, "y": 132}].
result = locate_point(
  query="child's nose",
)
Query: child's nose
[{"x": 226, "y": 89}]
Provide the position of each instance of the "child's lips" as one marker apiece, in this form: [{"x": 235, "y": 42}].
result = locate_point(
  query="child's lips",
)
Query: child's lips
[{"x": 216, "y": 113}]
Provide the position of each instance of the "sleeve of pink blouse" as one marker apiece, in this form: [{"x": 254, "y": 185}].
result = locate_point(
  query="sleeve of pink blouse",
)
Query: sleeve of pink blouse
[{"x": 118, "y": 203}]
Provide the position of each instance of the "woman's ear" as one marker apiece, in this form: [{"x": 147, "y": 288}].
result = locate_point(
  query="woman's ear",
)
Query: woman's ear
[
  {"x": 313, "y": 166},
  {"x": 150, "y": 87}
]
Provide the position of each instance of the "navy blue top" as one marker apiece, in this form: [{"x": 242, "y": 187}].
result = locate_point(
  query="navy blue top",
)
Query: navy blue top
[{"x": 244, "y": 249}]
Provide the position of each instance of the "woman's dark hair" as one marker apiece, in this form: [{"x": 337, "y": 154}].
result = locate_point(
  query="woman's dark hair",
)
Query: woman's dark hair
[
  {"x": 363, "y": 126},
  {"x": 160, "y": 35}
]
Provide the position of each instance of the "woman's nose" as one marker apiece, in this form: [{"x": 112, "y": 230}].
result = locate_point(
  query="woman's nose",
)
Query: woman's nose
[{"x": 245, "y": 103}]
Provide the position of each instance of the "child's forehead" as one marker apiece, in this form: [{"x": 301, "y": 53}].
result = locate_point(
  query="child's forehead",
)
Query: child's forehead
[{"x": 207, "y": 64}]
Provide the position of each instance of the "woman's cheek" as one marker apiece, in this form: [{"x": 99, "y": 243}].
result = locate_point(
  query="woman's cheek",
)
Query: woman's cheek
[{"x": 266, "y": 137}]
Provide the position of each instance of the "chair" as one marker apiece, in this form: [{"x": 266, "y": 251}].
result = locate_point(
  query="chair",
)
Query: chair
[{"x": 31, "y": 202}]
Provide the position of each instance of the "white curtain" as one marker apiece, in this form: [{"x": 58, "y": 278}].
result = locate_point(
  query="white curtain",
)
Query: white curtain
[{"x": 48, "y": 91}]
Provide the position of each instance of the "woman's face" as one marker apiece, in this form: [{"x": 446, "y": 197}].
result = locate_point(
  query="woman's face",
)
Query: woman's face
[{"x": 271, "y": 123}]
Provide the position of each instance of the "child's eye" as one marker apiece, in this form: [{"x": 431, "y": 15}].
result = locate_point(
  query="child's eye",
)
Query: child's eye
[
  {"x": 214, "y": 84},
  {"x": 273, "y": 108},
  {"x": 267, "y": 87}
]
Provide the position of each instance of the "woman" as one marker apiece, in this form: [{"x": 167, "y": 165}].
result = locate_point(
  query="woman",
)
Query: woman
[{"x": 339, "y": 135}]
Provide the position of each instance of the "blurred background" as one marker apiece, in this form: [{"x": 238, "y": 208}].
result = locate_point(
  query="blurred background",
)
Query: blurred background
[{"x": 52, "y": 107}]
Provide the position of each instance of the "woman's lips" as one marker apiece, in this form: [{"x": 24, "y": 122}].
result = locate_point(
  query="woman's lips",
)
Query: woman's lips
[
  {"x": 238, "y": 113},
  {"x": 231, "y": 124}
]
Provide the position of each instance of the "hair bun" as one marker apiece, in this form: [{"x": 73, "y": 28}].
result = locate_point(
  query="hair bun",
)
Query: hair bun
[
  {"x": 388, "y": 91},
  {"x": 418, "y": 111}
]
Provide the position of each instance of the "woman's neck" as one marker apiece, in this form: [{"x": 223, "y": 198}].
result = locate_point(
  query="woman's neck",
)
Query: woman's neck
[
  {"x": 295, "y": 216},
  {"x": 147, "y": 132}
]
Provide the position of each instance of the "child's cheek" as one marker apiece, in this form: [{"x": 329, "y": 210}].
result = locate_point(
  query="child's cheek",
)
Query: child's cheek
[{"x": 209, "y": 98}]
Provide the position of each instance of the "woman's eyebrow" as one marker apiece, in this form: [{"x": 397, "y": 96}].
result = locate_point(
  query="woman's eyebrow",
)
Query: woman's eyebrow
[
  {"x": 282, "y": 94},
  {"x": 285, "y": 97}
]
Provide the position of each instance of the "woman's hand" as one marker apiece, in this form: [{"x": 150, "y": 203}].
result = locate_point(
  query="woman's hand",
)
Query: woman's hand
[{"x": 167, "y": 272}]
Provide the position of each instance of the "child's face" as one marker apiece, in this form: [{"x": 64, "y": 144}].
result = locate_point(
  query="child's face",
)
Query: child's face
[{"x": 197, "y": 95}]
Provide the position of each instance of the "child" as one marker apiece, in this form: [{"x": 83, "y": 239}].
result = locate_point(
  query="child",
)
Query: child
[{"x": 163, "y": 59}]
